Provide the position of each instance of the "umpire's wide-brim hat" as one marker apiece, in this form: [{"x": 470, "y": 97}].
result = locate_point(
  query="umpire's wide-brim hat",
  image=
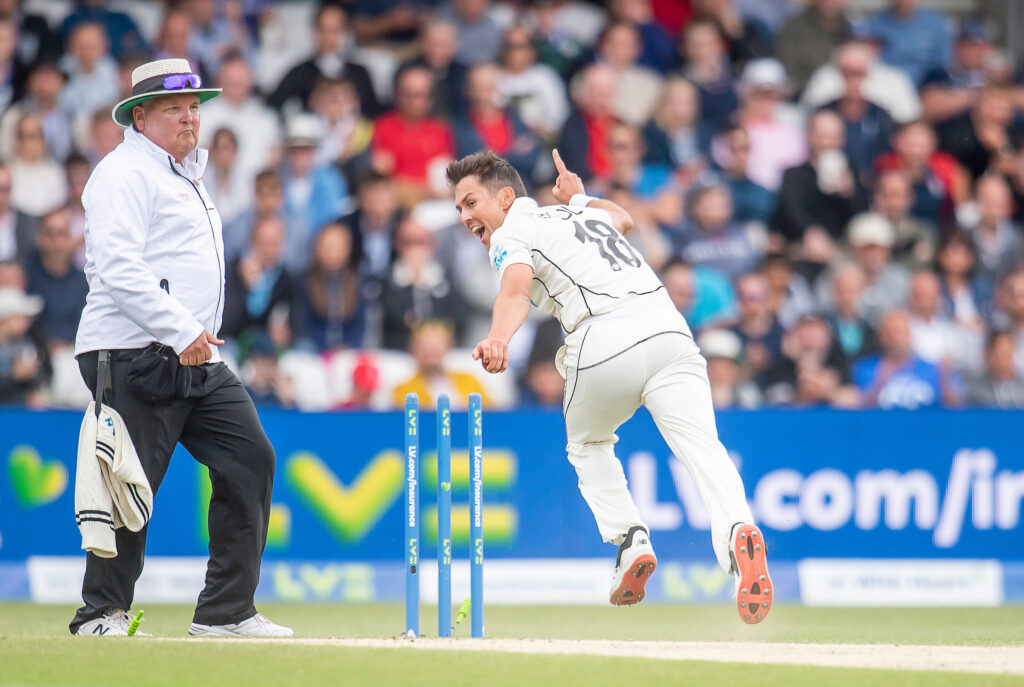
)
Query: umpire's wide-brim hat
[{"x": 157, "y": 78}]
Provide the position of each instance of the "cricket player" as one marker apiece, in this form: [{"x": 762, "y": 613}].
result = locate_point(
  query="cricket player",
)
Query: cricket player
[{"x": 625, "y": 345}]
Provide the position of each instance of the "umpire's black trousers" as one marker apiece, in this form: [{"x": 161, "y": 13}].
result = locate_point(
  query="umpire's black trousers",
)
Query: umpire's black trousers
[{"x": 218, "y": 425}]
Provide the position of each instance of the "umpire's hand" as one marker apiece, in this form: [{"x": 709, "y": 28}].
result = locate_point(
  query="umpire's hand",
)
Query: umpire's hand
[{"x": 199, "y": 351}]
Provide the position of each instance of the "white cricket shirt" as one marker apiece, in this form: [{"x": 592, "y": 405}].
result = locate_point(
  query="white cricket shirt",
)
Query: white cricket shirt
[
  {"x": 154, "y": 251},
  {"x": 582, "y": 265}
]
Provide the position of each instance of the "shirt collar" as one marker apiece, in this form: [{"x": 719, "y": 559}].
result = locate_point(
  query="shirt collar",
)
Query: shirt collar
[
  {"x": 519, "y": 206},
  {"x": 192, "y": 168}
]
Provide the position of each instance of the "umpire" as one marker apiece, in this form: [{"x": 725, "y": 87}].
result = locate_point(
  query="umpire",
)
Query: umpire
[{"x": 155, "y": 266}]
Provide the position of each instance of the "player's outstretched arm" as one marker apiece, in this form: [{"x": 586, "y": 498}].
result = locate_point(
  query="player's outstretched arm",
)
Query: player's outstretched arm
[
  {"x": 511, "y": 306},
  {"x": 569, "y": 184}
]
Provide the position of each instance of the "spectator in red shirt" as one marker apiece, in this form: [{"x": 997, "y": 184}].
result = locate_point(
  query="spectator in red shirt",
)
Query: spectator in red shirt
[
  {"x": 409, "y": 142},
  {"x": 940, "y": 183},
  {"x": 584, "y": 144},
  {"x": 490, "y": 124}
]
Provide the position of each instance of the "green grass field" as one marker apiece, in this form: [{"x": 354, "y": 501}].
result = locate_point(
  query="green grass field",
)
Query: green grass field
[{"x": 35, "y": 648}]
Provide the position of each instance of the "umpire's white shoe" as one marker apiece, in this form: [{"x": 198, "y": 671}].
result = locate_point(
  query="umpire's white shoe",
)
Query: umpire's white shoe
[
  {"x": 113, "y": 623},
  {"x": 257, "y": 626},
  {"x": 634, "y": 564}
]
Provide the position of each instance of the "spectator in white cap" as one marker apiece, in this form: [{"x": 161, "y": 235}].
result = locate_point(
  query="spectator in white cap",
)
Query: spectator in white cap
[
  {"x": 886, "y": 283},
  {"x": 314, "y": 194},
  {"x": 723, "y": 350},
  {"x": 155, "y": 267},
  {"x": 777, "y": 141},
  {"x": 21, "y": 368}
]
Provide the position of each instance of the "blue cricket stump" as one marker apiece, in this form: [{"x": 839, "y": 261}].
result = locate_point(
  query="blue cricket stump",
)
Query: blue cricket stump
[
  {"x": 412, "y": 516},
  {"x": 476, "y": 515},
  {"x": 444, "y": 517}
]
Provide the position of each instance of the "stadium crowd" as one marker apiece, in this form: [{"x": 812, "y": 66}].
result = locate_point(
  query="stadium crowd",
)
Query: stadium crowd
[{"x": 833, "y": 201}]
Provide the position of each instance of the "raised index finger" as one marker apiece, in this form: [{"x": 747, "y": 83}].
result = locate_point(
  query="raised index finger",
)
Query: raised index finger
[{"x": 559, "y": 165}]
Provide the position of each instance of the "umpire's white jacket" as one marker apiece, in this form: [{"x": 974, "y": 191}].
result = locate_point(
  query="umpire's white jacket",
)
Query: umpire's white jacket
[{"x": 154, "y": 251}]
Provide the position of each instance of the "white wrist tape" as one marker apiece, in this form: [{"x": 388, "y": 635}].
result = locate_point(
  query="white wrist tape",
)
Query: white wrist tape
[{"x": 580, "y": 200}]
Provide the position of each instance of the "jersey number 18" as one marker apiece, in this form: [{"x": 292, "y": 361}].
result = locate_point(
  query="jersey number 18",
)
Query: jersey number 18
[{"x": 610, "y": 244}]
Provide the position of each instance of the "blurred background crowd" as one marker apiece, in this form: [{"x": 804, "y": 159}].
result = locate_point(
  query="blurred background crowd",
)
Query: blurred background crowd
[{"x": 831, "y": 190}]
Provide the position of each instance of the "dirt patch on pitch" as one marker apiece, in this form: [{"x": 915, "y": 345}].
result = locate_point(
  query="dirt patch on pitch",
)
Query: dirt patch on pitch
[{"x": 965, "y": 659}]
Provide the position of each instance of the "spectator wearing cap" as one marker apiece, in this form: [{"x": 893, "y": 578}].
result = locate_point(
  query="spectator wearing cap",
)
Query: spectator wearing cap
[
  {"x": 584, "y": 142},
  {"x": 17, "y": 229},
  {"x": 854, "y": 334},
  {"x": 122, "y": 33},
  {"x": 706, "y": 65},
  {"x": 704, "y": 296},
  {"x": 365, "y": 381},
  {"x": 409, "y": 141},
  {"x": 819, "y": 197},
  {"x": 637, "y": 88},
  {"x": 93, "y": 80},
  {"x": 1000, "y": 385},
  {"x": 429, "y": 344},
  {"x": 948, "y": 91},
  {"x": 534, "y": 90},
  {"x": 886, "y": 282},
  {"x": 675, "y": 135},
  {"x": 256, "y": 282},
  {"x": 475, "y": 25},
  {"x": 751, "y": 201},
  {"x": 889, "y": 87},
  {"x": 806, "y": 40},
  {"x": 489, "y": 124},
  {"x": 38, "y": 184},
  {"x": 22, "y": 372},
  {"x": 981, "y": 138},
  {"x": 43, "y": 99},
  {"x": 313, "y": 194},
  {"x": 330, "y": 60},
  {"x": 328, "y": 312},
  {"x": 776, "y": 142},
  {"x": 757, "y": 325},
  {"x": 940, "y": 183},
  {"x": 254, "y": 125},
  {"x": 52, "y": 275},
  {"x": 896, "y": 378},
  {"x": 917, "y": 39},
  {"x": 997, "y": 240},
  {"x": 812, "y": 370},
  {"x": 915, "y": 238},
  {"x": 723, "y": 351},
  {"x": 868, "y": 125},
  {"x": 657, "y": 48},
  {"x": 711, "y": 238}
]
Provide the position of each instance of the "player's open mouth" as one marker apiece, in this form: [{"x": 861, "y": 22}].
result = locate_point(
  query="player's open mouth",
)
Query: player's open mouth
[{"x": 477, "y": 229}]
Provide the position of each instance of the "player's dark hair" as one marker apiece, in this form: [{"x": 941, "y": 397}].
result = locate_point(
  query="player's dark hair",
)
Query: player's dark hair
[{"x": 495, "y": 173}]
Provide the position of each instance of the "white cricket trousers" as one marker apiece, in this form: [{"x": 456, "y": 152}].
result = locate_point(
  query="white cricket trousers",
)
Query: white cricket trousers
[{"x": 612, "y": 366}]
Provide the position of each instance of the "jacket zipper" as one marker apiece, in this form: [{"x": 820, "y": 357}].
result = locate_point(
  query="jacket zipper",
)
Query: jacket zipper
[{"x": 213, "y": 235}]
